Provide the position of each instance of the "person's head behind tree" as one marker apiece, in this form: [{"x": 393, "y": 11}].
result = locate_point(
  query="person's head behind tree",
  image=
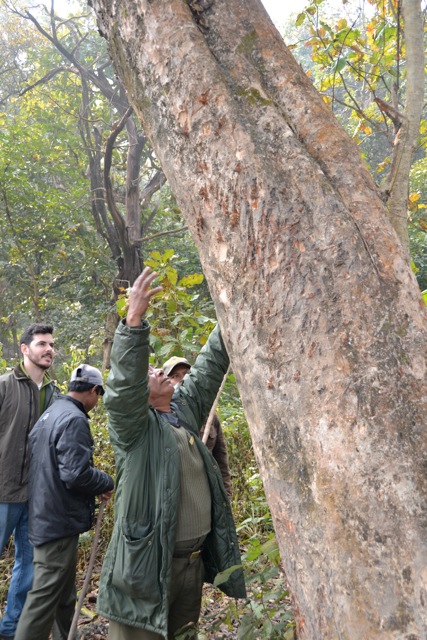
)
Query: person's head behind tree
[{"x": 176, "y": 368}]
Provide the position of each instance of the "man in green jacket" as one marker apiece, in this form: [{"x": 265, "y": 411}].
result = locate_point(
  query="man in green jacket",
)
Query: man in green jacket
[
  {"x": 173, "y": 523},
  {"x": 24, "y": 394}
]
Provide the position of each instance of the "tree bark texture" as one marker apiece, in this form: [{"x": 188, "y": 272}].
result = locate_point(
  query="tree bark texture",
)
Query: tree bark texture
[{"x": 322, "y": 317}]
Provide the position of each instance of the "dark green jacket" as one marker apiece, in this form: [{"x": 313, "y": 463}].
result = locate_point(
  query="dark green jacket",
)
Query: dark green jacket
[
  {"x": 137, "y": 568},
  {"x": 19, "y": 411}
]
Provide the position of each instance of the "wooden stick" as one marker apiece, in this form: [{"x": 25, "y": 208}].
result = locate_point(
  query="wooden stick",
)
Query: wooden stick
[
  {"x": 209, "y": 421},
  {"x": 73, "y": 628}
]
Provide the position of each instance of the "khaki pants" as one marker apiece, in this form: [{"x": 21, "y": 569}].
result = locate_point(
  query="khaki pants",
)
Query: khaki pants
[
  {"x": 51, "y": 602},
  {"x": 184, "y": 605}
]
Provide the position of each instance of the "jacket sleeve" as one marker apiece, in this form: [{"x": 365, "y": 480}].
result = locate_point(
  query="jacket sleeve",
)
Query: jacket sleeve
[
  {"x": 126, "y": 397},
  {"x": 220, "y": 454},
  {"x": 201, "y": 385},
  {"x": 74, "y": 458}
]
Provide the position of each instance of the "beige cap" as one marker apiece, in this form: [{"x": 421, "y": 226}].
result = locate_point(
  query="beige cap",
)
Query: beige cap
[{"x": 174, "y": 362}]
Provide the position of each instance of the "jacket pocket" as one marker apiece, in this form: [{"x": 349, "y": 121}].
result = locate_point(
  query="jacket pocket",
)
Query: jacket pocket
[{"x": 136, "y": 568}]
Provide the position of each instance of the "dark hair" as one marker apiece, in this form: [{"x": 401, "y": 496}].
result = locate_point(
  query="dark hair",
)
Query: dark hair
[
  {"x": 81, "y": 387},
  {"x": 33, "y": 329}
]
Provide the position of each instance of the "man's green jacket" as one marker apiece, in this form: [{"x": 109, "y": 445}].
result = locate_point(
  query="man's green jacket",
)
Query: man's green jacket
[
  {"x": 137, "y": 568},
  {"x": 19, "y": 411}
]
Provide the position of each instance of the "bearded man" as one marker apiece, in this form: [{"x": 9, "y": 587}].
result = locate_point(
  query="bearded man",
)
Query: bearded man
[{"x": 24, "y": 395}]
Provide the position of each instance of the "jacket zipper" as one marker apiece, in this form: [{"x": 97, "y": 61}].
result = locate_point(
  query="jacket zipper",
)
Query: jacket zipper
[{"x": 24, "y": 459}]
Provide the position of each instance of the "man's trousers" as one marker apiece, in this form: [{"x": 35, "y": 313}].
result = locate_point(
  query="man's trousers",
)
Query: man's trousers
[
  {"x": 51, "y": 602},
  {"x": 185, "y": 599},
  {"x": 14, "y": 519}
]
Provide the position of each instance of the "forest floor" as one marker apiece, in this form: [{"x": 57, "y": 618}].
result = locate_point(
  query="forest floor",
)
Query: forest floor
[
  {"x": 96, "y": 628},
  {"x": 221, "y": 618}
]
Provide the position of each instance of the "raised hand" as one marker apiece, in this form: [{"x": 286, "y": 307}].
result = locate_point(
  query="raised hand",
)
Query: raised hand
[{"x": 139, "y": 297}]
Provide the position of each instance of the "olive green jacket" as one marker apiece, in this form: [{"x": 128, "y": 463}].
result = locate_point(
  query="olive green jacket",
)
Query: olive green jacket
[
  {"x": 137, "y": 569},
  {"x": 19, "y": 411}
]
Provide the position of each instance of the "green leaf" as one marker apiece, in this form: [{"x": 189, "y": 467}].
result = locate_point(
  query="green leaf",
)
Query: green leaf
[
  {"x": 224, "y": 575},
  {"x": 120, "y": 306},
  {"x": 300, "y": 19},
  {"x": 340, "y": 64},
  {"x": 192, "y": 280},
  {"x": 172, "y": 275},
  {"x": 168, "y": 255},
  {"x": 151, "y": 263}
]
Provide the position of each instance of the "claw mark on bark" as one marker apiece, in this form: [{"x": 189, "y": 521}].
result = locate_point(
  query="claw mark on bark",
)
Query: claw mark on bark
[
  {"x": 368, "y": 251},
  {"x": 198, "y": 8}
]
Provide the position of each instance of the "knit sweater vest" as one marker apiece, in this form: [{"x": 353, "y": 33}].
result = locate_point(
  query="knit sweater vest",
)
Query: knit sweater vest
[{"x": 194, "y": 511}]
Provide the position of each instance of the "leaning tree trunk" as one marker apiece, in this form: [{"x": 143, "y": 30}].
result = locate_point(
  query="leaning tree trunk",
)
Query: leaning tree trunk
[{"x": 322, "y": 318}]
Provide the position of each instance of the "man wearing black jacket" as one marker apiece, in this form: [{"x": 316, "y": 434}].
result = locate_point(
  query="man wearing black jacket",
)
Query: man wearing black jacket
[{"x": 63, "y": 484}]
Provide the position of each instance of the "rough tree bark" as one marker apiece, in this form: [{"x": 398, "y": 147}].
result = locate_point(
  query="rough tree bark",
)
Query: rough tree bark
[{"x": 322, "y": 317}]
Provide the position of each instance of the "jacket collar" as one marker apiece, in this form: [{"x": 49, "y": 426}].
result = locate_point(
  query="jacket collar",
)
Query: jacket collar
[
  {"x": 77, "y": 403},
  {"x": 21, "y": 374}
]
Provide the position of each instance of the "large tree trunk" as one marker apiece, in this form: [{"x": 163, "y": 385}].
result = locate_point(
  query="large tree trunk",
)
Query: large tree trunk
[{"x": 323, "y": 320}]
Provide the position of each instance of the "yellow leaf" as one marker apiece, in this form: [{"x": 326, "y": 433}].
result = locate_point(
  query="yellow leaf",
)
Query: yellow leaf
[
  {"x": 191, "y": 280},
  {"x": 414, "y": 197}
]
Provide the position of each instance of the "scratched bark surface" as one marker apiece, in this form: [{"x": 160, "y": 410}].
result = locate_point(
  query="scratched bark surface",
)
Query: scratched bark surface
[{"x": 323, "y": 321}]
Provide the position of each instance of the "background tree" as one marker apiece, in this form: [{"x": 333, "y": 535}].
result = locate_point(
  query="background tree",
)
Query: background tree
[
  {"x": 323, "y": 319},
  {"x": 62, "y": 84},
  {"x": 369, "y": 66}
]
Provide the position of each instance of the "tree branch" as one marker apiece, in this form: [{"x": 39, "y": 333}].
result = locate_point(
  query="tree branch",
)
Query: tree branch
[
  {"x": 115, "y": 213},
  {"x": 164, "y": 233},
  {"x": 45, "y": 79}
]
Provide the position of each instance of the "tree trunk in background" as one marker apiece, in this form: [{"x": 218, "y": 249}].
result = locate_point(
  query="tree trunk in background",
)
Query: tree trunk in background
[
  {"x": 406, "y": 139},
  {"x": 322, "y": 317}
]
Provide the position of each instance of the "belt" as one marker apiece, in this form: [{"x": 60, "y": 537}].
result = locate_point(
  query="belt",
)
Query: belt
[{"x": 190, "y": 556}]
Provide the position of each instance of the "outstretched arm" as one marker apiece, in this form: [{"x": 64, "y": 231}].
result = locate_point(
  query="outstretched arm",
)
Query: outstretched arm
[{"x": 126, "y": 398}]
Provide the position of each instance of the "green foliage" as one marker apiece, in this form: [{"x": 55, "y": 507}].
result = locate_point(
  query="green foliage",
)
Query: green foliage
[
  {"x": 268, "y": 612},
  {"x": 50, "y": 254},
  {"x": 75, "y": 356},
  {"x": 179, "y": 323},
  {"x": 354, "y": 60},
  {"x": 357, "y": 61},
  {"x": 3, "y": 363},
  {"x": 222, "y": 577}
]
